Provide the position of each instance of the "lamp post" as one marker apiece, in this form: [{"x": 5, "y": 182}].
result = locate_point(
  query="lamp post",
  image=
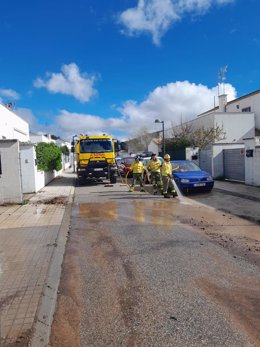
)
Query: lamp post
[{"x": 163, "y": 139}]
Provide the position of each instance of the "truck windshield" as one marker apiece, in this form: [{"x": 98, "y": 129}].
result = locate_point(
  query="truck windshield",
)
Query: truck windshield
[{"x": 95, "y": 146}]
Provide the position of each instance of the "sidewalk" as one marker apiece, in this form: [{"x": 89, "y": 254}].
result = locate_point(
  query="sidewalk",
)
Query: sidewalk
[
  {"x": 238, "y": 189},
  {"x": 32, "y": 243}
]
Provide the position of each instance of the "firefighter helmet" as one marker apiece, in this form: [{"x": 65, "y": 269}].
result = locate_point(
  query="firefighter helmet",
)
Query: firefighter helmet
[{"x": 167, "y": 156}]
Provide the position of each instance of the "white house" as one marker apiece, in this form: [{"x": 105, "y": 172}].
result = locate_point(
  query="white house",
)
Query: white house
[
  {"x": 240, "y": 121},
  {"x": 19, "y": 173},
  {"x": 12, "y": 126},
  {"x": 36, "y": 138},
  {"x": 237, "y": 122},
  {"x": 155, "y": 145},
  {"x": 245, "y": 104}
]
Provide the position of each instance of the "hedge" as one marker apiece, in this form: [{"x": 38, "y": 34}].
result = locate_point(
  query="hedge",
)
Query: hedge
[{"x": 48, "y": 156}]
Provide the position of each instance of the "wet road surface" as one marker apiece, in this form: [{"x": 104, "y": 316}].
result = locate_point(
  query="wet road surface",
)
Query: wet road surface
[{"x": 140, "y": 270}]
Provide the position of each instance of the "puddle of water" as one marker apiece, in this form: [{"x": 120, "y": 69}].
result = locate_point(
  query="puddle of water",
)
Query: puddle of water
[
  {"x": 105, "y": 211},
  {"x": 142, "y": 212}
]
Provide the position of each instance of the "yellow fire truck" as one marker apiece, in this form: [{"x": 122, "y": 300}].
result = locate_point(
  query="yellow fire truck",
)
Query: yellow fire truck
[{"x": 95, "y": 157}]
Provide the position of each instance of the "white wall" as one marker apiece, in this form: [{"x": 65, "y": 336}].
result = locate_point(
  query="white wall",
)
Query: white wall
[
  {"x": 10, "y": 176},
  {"x": 35, "y": 138},
  {"x": 33, "y": 179},
  {"x": 12, "y": 126},
  {"x": 252, "y": 101},
  {"x": 153, "y": 147},
  {"x": 252, "y": 164},
  {"x": 42, "y": 178},
  {"x": 236, "y": 126},
  {"x": 28, "y": 167},
  {"x": 206, "y": 121},
  {"x": 191, "y": 153}
]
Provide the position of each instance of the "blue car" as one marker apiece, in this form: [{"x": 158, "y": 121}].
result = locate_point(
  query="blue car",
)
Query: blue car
[{"x": 190, "y": 178}]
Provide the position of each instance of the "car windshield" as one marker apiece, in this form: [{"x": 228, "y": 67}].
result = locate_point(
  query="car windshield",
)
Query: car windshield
[
  {"x": 129, "y": 160},
  {"x": 185, "y": 166},
  {"x": 95, "y": 146},
  {"x": 146, "y": 160}
]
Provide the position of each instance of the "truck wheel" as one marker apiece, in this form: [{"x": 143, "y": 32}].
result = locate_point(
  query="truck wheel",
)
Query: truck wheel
[
  {"x": 113, "y": 179},
  {"x": 80, "y": 181}
]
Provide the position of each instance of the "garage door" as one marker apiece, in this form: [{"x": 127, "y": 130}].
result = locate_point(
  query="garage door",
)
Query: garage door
[{"x": 234, "y": 164}]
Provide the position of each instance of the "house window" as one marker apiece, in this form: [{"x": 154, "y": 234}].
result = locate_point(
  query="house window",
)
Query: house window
[{"x": 246, "y": 109}]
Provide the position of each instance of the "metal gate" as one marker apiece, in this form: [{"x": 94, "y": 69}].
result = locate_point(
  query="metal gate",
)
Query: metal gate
[
  {"x": 205, "y": 160},
  {"x": 234, "y": 164}
]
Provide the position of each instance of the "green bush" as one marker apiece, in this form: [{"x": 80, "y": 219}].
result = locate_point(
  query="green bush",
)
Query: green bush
[
  {"x": 65, "y": 150},
  {"x": 48, "y": 156}
]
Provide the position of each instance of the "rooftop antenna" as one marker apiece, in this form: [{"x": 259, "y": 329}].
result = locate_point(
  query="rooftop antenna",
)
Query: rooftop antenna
[{"x": 222, "y": 78}]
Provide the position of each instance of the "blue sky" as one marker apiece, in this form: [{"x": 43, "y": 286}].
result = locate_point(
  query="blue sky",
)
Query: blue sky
[{"x": 114, "y": 66}]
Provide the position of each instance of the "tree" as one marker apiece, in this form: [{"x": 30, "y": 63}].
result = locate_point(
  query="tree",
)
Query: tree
[
  {"x": 203, "y": 137},
  {"x": 185, "y": 135},
  {"x": 65, "y": 150}
]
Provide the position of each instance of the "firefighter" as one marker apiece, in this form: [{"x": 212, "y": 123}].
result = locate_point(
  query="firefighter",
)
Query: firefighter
[
  {"x": 137, "y": 167},
  {"x": 154, "y": 165},
  {"x": 167, "y": 177}
]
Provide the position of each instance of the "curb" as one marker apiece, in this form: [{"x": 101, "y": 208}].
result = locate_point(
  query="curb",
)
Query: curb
[
  {"x": 47, "y": 305},
  {"x": 239, "y": 195}
]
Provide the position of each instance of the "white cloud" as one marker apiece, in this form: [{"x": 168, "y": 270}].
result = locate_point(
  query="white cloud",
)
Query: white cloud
[
  {"x": 76, "y": 123},
  {"x": 10, "y": 94},
  {"x": 156, "y": 16},
  {"x": 171, "y": 103},
  {"x": 70, "y": 82}
]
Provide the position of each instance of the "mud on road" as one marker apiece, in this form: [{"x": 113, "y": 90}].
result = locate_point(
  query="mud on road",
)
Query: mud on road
[{"x": 103, "y": 295}]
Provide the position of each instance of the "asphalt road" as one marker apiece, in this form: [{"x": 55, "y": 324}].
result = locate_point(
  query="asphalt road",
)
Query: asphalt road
[{"x": 140, "y": 270}]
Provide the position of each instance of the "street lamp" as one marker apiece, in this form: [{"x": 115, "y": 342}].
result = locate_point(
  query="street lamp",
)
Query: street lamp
[{"x": 163, "y": 139}]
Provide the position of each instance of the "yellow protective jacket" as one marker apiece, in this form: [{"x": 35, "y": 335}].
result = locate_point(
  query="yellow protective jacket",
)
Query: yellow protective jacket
[
  {"x": 154, "y": 165},
  {"x": 137, "y": 167},
  {"x": 167, "y": 169}
]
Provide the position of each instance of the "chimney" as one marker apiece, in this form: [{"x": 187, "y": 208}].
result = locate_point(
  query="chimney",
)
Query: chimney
[{"x": 222, "y": 102}]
